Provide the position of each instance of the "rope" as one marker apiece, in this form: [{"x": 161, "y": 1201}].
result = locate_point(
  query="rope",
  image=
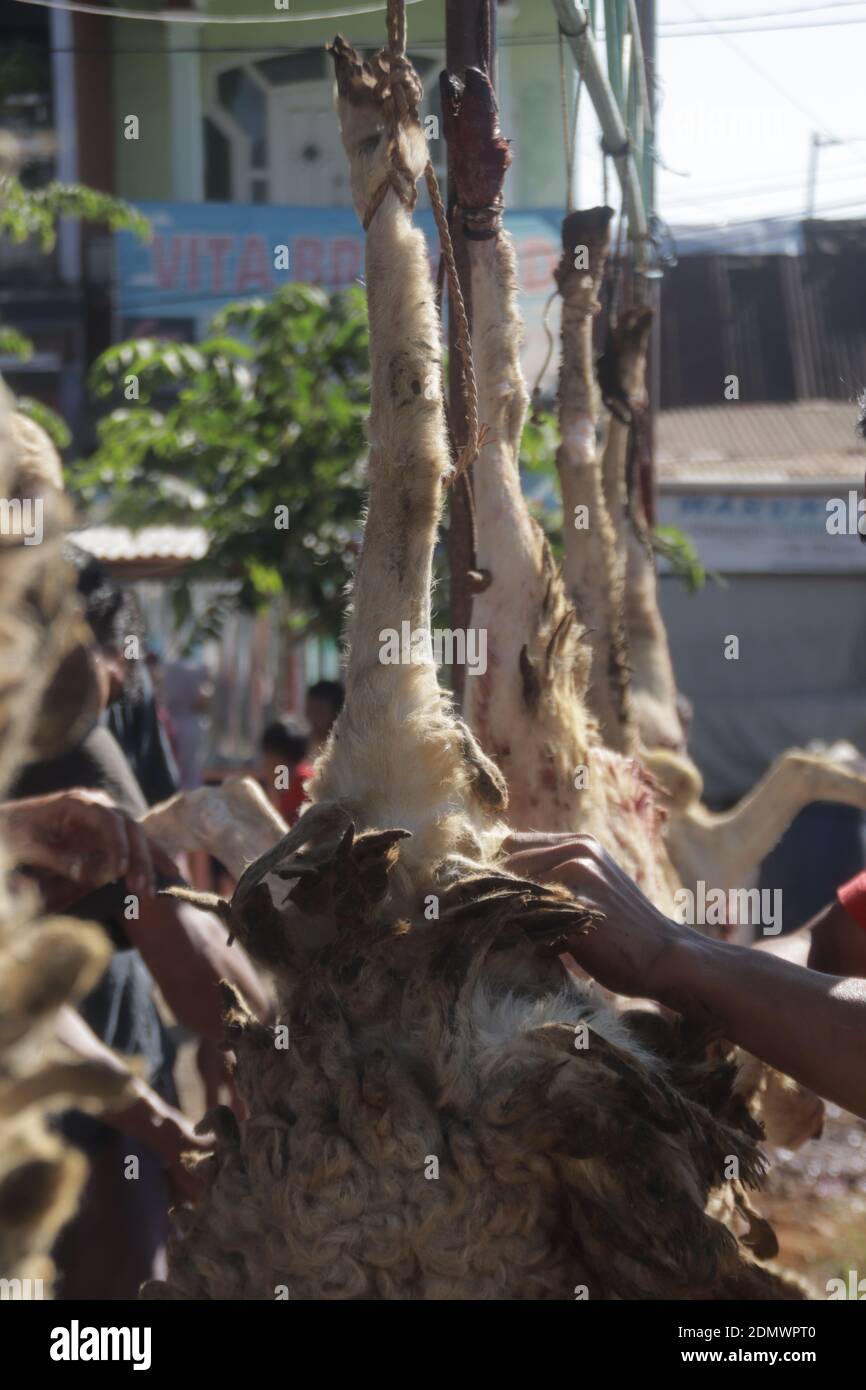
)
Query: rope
[
  {"x": 475, "y": 436},
  {"x": 397, "y": 27},
  {"x": 400, "y": 91},
  {"x": 535, "y": 397}
]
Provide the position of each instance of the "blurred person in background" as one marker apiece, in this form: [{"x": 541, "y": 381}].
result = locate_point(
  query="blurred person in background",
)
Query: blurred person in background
[
  {"x": 116, "y": 1240},
  {"x": 284, "y": 768},
  {"x": 156, "y": 671},
  {"x": 323, "y": 703},
  {"x": 187, "y": 693},
  {"x": 130, "y": 706}
]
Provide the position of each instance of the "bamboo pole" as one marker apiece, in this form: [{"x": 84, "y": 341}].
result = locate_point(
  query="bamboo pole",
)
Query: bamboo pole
[{"x": 574, "y": 22}]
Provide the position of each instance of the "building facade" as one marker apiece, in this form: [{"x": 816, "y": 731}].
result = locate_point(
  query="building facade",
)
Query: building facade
[{"x": 225, "y": 136}]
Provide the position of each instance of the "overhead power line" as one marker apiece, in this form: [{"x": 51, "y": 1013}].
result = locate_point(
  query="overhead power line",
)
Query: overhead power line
[
  {"x": 794, "y": 216},
  {"x": 767, "y": 76},
  {"x": 668, "y": 29},
  {"x": 197, "y": 17},
  {"x": 762, "y": 14},
  {"x": 836, "y": 180},
  {"x": 755, "y": 29}
]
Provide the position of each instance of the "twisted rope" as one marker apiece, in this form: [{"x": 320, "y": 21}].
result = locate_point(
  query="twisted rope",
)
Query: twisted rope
[
  {"x": 400, "y": 92},
  {"x": 476, "y": 435},
  {"x": 396, "y": 22}
]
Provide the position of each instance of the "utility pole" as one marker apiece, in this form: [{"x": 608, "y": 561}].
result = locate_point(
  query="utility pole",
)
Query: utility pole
[
  {"x": 812, "y": 175},
  {"x": 470, "y": 42},
  {"x": 816, "y": 144}
]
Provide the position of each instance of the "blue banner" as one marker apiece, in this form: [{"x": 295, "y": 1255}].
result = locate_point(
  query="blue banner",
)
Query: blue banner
[{"x": 204, "y": 255}]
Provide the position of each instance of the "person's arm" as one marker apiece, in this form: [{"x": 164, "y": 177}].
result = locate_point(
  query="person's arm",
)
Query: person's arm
[
  {"x": 146, "y": 1117},
  {"x": 83, "y": 841},
  {"x": 811, "y": 1026},
  {"x": 78, "y": 836},
  {"x": 837, "y": 942},
  {"x": 187, "y": 952},
  {"x": 833, "y": 942}
]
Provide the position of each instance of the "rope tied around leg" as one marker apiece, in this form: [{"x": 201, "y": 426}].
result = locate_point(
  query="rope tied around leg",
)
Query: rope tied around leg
[{"x": 399, "y": 89}]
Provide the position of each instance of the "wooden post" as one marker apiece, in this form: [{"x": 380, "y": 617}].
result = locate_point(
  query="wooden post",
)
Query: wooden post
[{"x": 470, "y": 42}]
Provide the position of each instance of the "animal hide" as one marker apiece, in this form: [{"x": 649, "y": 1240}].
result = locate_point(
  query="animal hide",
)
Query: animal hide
[{"x": 436, "y": 1114}]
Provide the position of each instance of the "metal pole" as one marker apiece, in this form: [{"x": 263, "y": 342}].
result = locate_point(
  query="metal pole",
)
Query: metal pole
[
  {"x": 574, "y": 22},
  {"x": 647, "y": 474},
  {"x": 812, "y": 175},
  {"x": 470, "y": 41}
]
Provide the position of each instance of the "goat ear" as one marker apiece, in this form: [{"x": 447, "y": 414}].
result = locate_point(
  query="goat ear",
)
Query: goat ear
[
  {"x": 208, "y": 902},
  {"x": 487, "y": 780}
]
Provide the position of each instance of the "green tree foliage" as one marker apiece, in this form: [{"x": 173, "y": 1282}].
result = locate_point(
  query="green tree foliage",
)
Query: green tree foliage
[
  {"x": 263, "y": 420},
  {"x": 679, "y": 551},
  {"x": 538, "y": 447},
  {"x": 35, "y": 212}
]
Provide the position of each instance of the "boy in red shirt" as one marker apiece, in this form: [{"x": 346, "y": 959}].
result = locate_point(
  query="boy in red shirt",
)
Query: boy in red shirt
[{"x": 284, "y": 768}]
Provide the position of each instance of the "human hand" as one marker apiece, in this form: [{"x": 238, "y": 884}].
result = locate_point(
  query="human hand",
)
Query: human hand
[
  {"x": 81, "y": 837},
  {"x": 217, "y": 1079},
  {"x": 161, "y": 1127},
  {"x": 178, "y": 1137},
  {"x": 636, "y": 949}
]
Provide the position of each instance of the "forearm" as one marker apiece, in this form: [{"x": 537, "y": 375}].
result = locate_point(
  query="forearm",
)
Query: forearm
[
  {"x": 811, "y": 1026},
  {"x": 144, "y": 1115},
  {"x": 187, "y": 953}
]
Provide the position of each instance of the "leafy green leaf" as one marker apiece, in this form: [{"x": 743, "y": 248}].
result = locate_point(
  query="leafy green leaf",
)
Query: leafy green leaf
[{"x": 262, "y": 418}]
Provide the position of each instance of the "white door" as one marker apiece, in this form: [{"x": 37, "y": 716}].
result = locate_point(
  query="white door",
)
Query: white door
[{"x": 308, "y": 163}]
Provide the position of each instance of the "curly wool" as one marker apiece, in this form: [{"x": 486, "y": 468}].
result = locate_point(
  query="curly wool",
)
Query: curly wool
[{"x": 434, "y": 1132}]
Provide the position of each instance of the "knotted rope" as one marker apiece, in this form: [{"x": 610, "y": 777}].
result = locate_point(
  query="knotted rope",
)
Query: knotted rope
[{"x": 400, "y": 91}]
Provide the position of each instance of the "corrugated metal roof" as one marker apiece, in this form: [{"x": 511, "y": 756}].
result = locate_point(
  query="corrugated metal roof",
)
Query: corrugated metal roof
[
  {"x": 114, "y": 544},
  {"x": 772, "y": 444},
  {"x": 789, "y": 327}
]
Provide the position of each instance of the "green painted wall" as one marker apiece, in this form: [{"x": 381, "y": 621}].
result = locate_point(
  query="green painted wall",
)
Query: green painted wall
[
  {"x": 143, "y": 166},
  {"x": 529, "y": 71}
]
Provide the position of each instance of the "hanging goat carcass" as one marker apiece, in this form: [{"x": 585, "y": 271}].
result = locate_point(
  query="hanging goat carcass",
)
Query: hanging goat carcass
[
  {"x": 723, "y": 850},
  {"x": 421, "y": 1123},
  {"x": 529, "y": 709}
]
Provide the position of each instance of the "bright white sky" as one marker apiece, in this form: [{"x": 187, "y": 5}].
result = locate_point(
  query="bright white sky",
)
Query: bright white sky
[{"x": 737, "y": 113}]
